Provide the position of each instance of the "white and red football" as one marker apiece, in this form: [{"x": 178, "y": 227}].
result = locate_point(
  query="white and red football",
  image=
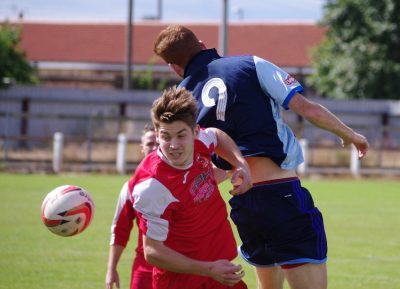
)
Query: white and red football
[{"x": 67, "y": 210}]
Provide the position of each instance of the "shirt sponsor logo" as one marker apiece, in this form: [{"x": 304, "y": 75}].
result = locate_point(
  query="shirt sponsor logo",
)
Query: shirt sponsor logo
[
  {"x": 202, "y": 186},
  {"x": 289, "y": 80}
]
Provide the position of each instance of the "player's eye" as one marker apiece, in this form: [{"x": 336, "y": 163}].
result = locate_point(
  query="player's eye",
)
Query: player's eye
[{"x": 165, "y": 138}]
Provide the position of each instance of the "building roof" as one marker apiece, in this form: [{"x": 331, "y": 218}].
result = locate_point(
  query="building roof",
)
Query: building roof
[{"x": 285, "y": 44}]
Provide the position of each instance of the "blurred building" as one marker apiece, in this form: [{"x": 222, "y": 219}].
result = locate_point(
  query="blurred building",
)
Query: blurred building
[
  {"x": 94, "y": 55},
  {"x": 71, "y": 57}
]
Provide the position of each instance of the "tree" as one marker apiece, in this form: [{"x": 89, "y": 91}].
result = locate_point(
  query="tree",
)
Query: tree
[
  {"x": 360, "y": 57},
  {"x": 13, "y": 64}
]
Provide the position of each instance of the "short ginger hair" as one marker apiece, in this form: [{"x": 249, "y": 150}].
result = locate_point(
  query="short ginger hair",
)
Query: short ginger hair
[
  {"x": 177, "y": 44},
  {"x": 175, "y": 104}
]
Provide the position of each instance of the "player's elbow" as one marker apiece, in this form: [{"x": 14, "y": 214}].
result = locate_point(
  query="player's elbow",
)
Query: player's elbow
[{"x": 150, "y": 254}]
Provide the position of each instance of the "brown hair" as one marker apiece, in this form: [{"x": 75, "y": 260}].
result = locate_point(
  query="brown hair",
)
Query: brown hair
[
  {"x": 148, "y": 127},
  {"x": 177, "y": 44},
  {"x": 175, "y": 104}
]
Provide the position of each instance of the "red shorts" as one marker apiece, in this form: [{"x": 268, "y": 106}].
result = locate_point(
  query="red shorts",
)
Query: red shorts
[
  {"x": 183, "y": 281},
  {"x": 142, "y": 272},
  {"x": 212, "y": 284},
  {"x": 141, "y": 281}
]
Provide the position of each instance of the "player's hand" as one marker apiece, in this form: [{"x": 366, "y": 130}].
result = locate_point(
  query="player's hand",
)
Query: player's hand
[
  {"x": 111, "y": 278},
  {"x": 360, "y": 142},
  {"x": 226, "y": 272},
  {"x": 241, "y": 180}
]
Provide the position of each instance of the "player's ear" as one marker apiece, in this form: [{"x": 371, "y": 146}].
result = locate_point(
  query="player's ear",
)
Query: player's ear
[
  {"x": 178, "y": 70},
  {"x": 202, "y": 45},
  {"x": 196, "y": 131}
]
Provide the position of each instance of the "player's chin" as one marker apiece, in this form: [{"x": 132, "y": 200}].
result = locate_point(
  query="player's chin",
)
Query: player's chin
[
  {"x": 175, "y": 156},
  {"x": 177, "y": 160}
]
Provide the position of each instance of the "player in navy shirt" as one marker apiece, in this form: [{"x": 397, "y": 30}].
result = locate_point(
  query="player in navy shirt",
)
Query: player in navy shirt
[{"x": 242, "y": 95}]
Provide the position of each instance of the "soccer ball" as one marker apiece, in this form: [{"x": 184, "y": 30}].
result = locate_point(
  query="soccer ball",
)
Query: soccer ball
[{"x": 67, "y": 210}]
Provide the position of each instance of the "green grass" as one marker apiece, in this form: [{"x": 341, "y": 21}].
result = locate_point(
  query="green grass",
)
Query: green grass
[
  {"x": 361, "y": 216},
  {"x": 363, "y": 230}
]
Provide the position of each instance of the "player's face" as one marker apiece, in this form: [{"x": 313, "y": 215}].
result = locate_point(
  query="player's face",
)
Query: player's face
[
  {"x": 176, "y": 141},
  {"x": 149, "y": 142}
]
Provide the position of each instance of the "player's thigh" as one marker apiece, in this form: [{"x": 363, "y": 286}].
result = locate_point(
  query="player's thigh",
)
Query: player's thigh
[
  {"x": 270, "y": 277},
  {"x": 307, "y": 276}
]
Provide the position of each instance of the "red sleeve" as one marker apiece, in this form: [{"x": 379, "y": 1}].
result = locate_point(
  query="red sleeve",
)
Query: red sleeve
[{"x": 123, "y": 218}]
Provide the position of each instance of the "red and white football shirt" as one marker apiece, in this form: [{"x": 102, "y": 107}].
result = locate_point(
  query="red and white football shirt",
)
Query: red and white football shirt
[{"x": 184, "y": 209}]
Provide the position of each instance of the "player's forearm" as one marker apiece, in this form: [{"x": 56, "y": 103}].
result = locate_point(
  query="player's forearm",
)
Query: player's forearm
[
  {"x": 159, "y": 255},
  {"x": 320, "y": 116},
  {"x": 114, "y": 255},
  {"x": 228, "y": 150},
  {"x": 220, "y": 175},
  {"x": 324, "y": 119}
]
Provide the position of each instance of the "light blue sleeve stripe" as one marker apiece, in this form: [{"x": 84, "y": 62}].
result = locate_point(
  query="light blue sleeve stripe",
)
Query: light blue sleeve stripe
[
  {"x": 276, "y": 82},
  {"x": 291, "y": 147}
]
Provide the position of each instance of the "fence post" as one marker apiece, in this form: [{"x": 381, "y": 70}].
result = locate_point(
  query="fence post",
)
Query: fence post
[
  {"x": 303, "y": 167},
  {"x": 6, "y": 136},
  {"x": 121, "y": 153},
  {"x": 25, "y": 109},
  {"x": 354, "y": 162},
  {"x": 58, "y": 142},
  {"x": 89, "y": 141}
]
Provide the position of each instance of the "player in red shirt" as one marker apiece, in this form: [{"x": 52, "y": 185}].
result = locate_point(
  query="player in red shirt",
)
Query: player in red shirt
[
  {"x": 187, "y": 235},
  {"x": 141, "y": 277}
]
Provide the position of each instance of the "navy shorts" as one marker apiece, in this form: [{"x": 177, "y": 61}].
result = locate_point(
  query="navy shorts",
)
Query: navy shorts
[{"x": 279, "y": 224}]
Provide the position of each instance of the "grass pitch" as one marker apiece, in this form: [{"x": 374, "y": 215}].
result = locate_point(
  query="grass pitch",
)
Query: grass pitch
[{"x": 362, "y": 220}]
